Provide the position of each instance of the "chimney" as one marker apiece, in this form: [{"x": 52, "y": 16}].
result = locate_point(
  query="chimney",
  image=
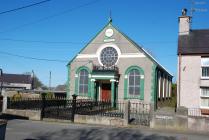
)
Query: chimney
[{"x": 184, "y": 23}]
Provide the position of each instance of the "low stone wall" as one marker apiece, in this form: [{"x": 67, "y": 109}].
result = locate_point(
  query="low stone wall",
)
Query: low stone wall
[
  {"x": 101, "y": 120},
  {"x": 31, "y": 114},
  {"x": 179, "y": 122},
  {"x": 198, "y": 124}
]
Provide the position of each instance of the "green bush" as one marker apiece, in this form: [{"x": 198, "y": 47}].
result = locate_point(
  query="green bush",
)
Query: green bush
[
  {"x": 17, "y": 96},
  {"x": 48, "y": 95}
]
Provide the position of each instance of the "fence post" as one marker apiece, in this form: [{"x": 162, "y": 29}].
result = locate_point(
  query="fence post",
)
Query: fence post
[
  {"x": 127, "y": 111},
  {"x": 73, "y": 107},
  {"x": 43, "y": 105},
  {"x": 4, "y": 106}
]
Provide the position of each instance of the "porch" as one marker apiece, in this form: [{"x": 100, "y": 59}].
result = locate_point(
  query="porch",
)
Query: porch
[{"x": 104, "y": 84}]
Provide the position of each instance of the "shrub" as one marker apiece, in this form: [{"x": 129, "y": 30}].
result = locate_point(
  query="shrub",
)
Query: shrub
[
  {"x": 48, "y": 95},
  {"x": 17, "y": 96}
]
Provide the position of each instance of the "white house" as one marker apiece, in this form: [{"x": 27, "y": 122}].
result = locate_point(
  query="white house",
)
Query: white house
[{"x": 193, "y": 66}]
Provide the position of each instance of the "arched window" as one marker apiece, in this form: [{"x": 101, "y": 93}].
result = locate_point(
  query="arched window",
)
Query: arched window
[
  {"x": 134, "y": 82},
  {"x": 83, "y": 82}
]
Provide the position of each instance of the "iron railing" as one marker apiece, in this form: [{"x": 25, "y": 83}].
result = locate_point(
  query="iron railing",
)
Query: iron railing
[
  {"x": 197, "y": 112},
  {"x": 1, "y": 103},
  {"x": 31, "y": 104},
  {"x": 140, "y": 113}
]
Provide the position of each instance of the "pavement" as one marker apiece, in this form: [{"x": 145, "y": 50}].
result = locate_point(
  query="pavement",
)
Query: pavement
[{"x": 40, "y": 130}]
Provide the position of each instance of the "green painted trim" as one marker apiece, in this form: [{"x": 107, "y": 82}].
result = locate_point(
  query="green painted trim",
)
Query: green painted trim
[
  {"x": 108, "y": 24},
  {"x": 68, "y": 81},
  {"x": 76, "y": 86},
  {"x": 153, "y": 83},
  {"x": 113, "y": 93},
  {"x": 77, "y": 81},
  {"x": 92, "y": 90},
  {"x": 141, "y": 96}
]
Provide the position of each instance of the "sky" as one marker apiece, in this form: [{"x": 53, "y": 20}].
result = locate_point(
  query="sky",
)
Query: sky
[{"x": 59, "y": 29}]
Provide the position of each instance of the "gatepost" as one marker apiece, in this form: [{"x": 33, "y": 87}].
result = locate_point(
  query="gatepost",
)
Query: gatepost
[
  {"x": 73, "y": 107},
  {"x": 127, "y": 112},
  {"x": 4, "y": 108}
]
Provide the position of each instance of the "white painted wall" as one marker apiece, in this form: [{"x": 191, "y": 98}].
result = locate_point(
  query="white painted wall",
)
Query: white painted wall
[{"x": 190, "y": 73}]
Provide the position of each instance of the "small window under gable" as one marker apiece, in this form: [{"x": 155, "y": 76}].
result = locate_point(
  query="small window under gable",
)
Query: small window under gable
[{"x": 205, "y": 67}]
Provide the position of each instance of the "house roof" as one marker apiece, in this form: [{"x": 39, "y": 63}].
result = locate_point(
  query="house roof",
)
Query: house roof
[
  {"x": 16, "y": 78},
  {"x": 133, "y": 42},
  {"x": 145, "y": 52},
  {"x": 197, "y": 42}
]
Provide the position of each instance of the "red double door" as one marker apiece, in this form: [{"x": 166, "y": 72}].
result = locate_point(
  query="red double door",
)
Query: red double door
[{"x": 106, "y": 92}]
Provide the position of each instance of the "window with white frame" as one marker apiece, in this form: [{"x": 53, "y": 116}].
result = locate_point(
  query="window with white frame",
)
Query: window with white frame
[
  {"x": 204, "y": 100},
  {"x": 83, "y": 82},
  {"x": 205, "y": 67},
  {"x": 134, "y": 82}
]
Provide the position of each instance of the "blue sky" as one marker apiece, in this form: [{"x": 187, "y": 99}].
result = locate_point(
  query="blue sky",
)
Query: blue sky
[{"x": 71, "y": 23}]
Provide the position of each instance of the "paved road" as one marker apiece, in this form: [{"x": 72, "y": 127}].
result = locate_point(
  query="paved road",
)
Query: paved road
[{"x": 37, "y": 130}]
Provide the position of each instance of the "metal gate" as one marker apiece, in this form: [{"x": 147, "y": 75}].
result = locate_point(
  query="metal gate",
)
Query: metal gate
[
  {"x": 140, "y": 114},
  {"x": 57, "y": 109}
]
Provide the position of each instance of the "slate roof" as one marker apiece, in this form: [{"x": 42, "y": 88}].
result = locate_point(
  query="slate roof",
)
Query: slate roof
[
  {"x": 16, "y": 78},
  {"x": 197, "y": 42}
]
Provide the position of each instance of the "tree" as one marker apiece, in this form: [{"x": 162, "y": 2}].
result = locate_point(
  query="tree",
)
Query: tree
[
  {"x": 37, "y": 83},
  {"x": 60, "y": 88}
]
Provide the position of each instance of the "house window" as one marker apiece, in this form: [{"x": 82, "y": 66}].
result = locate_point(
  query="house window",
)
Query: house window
[
  {"x": 83, "y": 82},
  {"x": 204, "y": 97},
  {"x": 134, "y": 82},
  {"x": 205, "y": 67}
]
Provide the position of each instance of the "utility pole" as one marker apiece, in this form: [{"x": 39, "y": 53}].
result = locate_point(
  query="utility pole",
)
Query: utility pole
[
  {"x": 1, "y": 81},
  {"x": 50, "y": 76},
  {"x": 32, "y": 86}
]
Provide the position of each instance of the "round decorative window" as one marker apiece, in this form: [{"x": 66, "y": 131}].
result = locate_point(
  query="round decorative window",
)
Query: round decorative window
[{"x": 109, "y": 56}]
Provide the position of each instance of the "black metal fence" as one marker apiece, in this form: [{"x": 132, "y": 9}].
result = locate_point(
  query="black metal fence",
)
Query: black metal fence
[
  {"x": 27, "y": 103},
  {"x": 63, "y": 108},
  {"x": 103, "y": 108},
  {"x": 1, "y": 103},
  {"x": 140, "y": 113}
]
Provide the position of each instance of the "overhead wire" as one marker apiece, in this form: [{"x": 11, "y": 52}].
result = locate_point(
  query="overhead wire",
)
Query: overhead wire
[
  {"x": 72, "y": 42},
  {"x": 34, "y": 58},
  {"x": 51, "y": 16},
  {"x": 24, "y": 7}
]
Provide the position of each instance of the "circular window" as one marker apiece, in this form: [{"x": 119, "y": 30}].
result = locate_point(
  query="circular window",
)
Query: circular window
[{"x": 109, "y": 56}]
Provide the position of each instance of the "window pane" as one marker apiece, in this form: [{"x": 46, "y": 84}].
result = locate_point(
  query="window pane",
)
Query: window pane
[
  {"x": 205, "y": 61},
  {"x": 137, "y": 80},
  {"x": 205, "y": 102},
  {"x": 137, "y": 90},
  {"x": 80, "y": 89},
  {"x": 131, "y": 80},
  {"x": 131, "y": 90},
  {"x": 83, "y": 82},
  {"x": 205, "y": 71},
  {"x": 205, "y": 91},
  {"x": 85, "y": 88},
  {"x": 134, "y": 82}
]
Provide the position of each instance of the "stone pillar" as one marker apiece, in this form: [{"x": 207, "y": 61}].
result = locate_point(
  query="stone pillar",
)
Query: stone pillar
[
  {"x": 113, "y": 92},
  {"x": 4, "y": 107},
  {"x": 127, "y": 111},
  {"x": 93, "y": 89}
]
